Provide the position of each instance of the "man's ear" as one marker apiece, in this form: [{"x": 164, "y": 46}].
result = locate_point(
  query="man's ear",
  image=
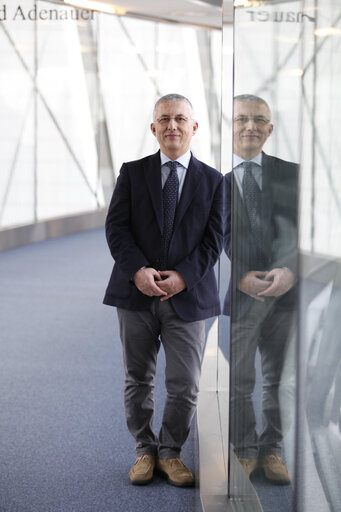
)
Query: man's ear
[
  {"x": 152, "y": 128},
  {"x": 195, "y": 127},
  {"x": 271, "y": 128}
]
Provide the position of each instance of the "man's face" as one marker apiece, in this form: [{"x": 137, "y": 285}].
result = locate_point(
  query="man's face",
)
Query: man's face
[
  {"x": 251, "y": 128},
  {"x": 173, "y": 127}
]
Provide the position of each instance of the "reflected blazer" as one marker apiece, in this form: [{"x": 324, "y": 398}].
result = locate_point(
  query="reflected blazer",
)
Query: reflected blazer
[
  {"x": 134, "y": 235},
  {"x": 279, "y": 230}
]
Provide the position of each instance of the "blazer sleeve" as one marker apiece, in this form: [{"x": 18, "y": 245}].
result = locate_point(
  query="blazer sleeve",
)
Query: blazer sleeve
[
  {"x": 227, "y": 213},
  {"x": 194, "y": 267},
  {"x": 122, "y": 245}
]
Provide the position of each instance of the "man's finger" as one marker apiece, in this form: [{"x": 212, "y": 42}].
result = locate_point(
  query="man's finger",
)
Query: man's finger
[
  {"x": 158, "y": 291},
  {"x": 260, "y": 299},
  {"x": 166, "y": 297},
  {"x": 270, "y": 291}
]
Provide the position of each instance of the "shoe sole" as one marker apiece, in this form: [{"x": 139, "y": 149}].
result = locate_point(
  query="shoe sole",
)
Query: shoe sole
[
  {"x": 276, "y": 482},
  {"x": 171, "y": 482},
  {"x": 141, "y": 482}
]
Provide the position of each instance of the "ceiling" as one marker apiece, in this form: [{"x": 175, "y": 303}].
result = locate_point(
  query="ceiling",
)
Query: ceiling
[{"x": 203, "y": 13}]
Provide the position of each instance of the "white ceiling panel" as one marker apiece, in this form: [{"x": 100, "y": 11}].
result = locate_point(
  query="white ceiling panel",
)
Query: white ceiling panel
[{"x": 203, "y": 13}]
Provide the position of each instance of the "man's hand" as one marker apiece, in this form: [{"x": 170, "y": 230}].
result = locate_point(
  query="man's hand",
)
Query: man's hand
[
  {"x": 281, "y": 279},
  {"x": 252, "y": 283},
  {"x": 172, "y": 285},
  {"x": 146, "y": 280}
]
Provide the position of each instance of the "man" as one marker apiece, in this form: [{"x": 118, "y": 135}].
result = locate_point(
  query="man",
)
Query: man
[
  {"x": 164, "y": 230},
  {"x": 262, "y": 295}
]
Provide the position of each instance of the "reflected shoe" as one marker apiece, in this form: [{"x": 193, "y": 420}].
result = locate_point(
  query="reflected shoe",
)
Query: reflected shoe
[
  {"x": 142, "y": 471},
  {"x": 249, "y": 465},
  {"x": 275, "y": 470},
  {"x": 175, "y": 471}
]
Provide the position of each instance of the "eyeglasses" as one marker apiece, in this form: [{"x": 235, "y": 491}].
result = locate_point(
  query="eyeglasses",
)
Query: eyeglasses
[
  {"x": 259, "y": 120},
  {"x": 164, "y": 120}
]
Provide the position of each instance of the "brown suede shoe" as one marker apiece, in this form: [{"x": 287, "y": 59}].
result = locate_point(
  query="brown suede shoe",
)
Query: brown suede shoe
[
  {"x": 249, "y": 465},
  {"x": 275, "y": 470},
  {"x": 175, "y": 471},
  {"x": 142, "y": 471}
]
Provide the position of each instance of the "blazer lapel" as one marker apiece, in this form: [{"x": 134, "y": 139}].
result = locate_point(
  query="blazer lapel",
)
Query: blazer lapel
[
  {"x": 192, "y": 181},
  {"x": 268, "y": 173},
  {"x": 152, "y": 172}
]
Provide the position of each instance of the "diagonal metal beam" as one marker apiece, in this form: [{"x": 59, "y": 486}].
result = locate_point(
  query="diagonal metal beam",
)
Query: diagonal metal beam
[
  {"x": 317, "y": 145},
  {"x": 99, "y": 116},
  {"x": 212, "y": 101},
  {"x": 322, "y": 43},
  {"x": 279, "y": 67},
  {"x": 138, "y": 55},
  {"x": 48, "y": 109},
  {"x": 15, "y": 158}
]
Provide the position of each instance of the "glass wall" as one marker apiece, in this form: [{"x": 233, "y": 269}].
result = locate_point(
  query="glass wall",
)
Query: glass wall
[
  {"x": 76, "y": 96},
  {"x": 319, "y": 406},
  {"x": 262, "y": 246},
  {"x": 281, "y": 335}
]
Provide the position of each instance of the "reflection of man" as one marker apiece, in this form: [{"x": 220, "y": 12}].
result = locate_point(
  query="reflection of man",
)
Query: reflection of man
[
  {"x": 262, "y": 292},
  {"x": 164, "y": 230}
]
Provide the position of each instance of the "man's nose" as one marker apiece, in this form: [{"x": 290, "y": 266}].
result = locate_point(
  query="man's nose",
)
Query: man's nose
[
  {"x": 172, "y": 124},
  {"x": 250, "y": 124}
]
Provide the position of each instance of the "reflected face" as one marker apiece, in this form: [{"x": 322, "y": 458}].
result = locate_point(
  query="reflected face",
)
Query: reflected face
[
  {"x": 173, "y": 127},
  {"x": 251, "y": 128}
]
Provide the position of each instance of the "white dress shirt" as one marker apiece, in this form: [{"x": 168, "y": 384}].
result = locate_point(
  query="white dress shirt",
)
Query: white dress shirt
[
  {"x": 238, "y": 170},
  {"x": 183, "y": 163}
]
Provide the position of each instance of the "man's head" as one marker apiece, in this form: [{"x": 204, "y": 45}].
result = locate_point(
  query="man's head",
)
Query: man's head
[
  {"x": 251, "y": 125},
  {"x": 173, "y": 124}
]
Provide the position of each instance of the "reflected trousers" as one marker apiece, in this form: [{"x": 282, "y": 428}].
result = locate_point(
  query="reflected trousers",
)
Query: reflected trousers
[
  {"x": 141, "y": 333},
  {"x": 266, "y": 327}
]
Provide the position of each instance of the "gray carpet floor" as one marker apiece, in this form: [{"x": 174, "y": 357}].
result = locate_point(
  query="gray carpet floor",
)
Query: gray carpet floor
[{"x": 64, "y": 445}]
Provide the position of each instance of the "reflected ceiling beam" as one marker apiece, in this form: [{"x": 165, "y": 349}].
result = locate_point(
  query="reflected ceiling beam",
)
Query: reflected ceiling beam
[
  {"x": 260, "y": 3},
  {"x": 199, "y": 13}
]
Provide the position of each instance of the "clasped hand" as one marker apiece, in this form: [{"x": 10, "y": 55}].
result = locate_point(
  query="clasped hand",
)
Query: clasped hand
[
  {"x": 260, "y": 284},
  {"x": 159, "y": 283}
]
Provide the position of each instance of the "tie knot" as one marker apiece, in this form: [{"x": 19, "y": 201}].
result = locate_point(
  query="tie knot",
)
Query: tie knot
[
  {"x": 172, "y": 165},
  {"x": 247, "y": 167}
]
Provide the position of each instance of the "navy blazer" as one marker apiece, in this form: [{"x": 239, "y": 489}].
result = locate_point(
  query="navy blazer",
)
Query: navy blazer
[
  {"x": 134, "y": 235},
  {"x": 279, "y": 231}
]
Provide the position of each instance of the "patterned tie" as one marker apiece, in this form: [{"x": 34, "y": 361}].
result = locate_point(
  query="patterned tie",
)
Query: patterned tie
[
  {"x": 170, "y": 200},
  {"x": 252, "y": 201}
]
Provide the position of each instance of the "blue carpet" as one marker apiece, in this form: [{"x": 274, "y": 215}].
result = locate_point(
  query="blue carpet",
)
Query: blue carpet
[{"x": 64, "y": 445}]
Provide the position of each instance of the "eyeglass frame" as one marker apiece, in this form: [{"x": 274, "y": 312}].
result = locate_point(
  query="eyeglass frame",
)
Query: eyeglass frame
[
  {"x": 166, "y": 119},
  {"x": 261, "y": 121}
]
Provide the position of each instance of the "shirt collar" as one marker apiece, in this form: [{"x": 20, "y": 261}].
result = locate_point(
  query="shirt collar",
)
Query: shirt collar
[
  {"x": 237, "y": 160},
  {"x": 183, "y": 159}
]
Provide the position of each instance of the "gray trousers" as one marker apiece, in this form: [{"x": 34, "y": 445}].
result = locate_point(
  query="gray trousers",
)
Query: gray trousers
[
  {"x": 141, "y": 334},
  {"x": 268, "y": 328}
]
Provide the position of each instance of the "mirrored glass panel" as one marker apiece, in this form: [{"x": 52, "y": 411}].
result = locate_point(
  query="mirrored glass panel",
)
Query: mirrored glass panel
[
  {"x": 261, "y": 245},
  {"x": 319, "y": 425}
]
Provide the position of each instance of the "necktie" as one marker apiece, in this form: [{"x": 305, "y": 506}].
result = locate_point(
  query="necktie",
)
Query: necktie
[
  {"x": 170, "y": 200},
  {"x": 252, "y": 201}
]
